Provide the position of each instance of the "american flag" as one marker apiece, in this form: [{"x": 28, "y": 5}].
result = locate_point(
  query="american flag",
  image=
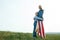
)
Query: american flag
[{"x": 40, "y": 29}]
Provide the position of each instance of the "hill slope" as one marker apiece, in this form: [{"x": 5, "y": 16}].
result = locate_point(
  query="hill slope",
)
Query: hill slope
[{"x": 25, "y": 36}]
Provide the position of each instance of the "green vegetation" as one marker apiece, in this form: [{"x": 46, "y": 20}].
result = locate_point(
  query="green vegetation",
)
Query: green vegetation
[{"x": 25, "y": 36}]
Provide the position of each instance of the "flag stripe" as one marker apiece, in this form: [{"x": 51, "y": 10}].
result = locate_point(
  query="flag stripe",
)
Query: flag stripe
[{"x": 41, "y": 29}]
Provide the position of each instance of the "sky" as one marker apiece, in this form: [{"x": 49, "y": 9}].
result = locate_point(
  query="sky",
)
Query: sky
[{"x": 17, "y": 15}]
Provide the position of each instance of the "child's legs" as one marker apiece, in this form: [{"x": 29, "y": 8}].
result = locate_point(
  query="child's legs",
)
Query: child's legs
[{"x": 34, "y": 32}]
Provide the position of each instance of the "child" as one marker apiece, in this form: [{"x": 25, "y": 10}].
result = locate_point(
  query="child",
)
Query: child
[{"x": 36, "y": 18}]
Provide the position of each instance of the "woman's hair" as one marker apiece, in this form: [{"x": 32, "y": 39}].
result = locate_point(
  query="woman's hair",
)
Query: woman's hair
[{"x": 40, "y": 7}]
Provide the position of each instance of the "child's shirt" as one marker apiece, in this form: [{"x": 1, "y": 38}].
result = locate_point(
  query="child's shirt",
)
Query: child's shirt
[{"x": 37, "y": 18}]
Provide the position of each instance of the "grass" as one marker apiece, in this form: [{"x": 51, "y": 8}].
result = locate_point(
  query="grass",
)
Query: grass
[{"x": 25, "y": 36}]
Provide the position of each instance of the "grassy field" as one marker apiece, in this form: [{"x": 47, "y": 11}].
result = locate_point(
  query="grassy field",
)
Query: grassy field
[{"x": 25, "y": 36}]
